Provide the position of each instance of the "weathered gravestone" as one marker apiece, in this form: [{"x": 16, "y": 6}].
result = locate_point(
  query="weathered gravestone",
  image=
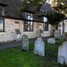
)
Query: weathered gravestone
[
  {"x": 57, "y": 34},
  {"x": 39, "y": 47},
  {"x": 39, "y": 32},
  {"x": 62, "y": 54},
  {"x": 25, "y": 42},
  {"x": 65, "y": 35},
  {"x": 51, "y": 40}
]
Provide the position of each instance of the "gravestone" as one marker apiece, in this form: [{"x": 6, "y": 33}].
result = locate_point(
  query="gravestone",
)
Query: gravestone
[
  {"x": 57, "y": 34},
  {"x": 65, "y": 35},
  {"x": 39, "y": 47},
  {"x": 51, "y": 40},
  {"x": 25, "y": 42},
  {"x": 62, "y": 54},
  {"x": 39, "y": 32}
]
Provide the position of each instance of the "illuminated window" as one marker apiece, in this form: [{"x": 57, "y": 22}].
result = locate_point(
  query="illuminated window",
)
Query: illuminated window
[
  {"x": 44, "y": 19},
  {"x": 1, "y": 24},
  {"x": 28, "y": 25},
  {"x": 45, "y": 24}
]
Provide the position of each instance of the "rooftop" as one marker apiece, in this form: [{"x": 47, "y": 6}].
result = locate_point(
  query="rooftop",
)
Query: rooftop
[{"x": 13, "y": 10}]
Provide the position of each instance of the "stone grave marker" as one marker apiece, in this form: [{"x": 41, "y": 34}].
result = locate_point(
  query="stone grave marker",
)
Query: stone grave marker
[
  {"x": 39, "y": 47},
  {"x": 51, "y": 40},
  {"x": 25, "y": 42},
  {"x": 62, "y": 54}
]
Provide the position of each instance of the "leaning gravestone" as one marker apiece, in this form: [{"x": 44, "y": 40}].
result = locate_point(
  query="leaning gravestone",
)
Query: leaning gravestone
[
  {"x": 39, "y": 48},
  {"x": 25, "y": 42},
  {"x": 51, "y": 40},
  {"x": 62, "y": 54},
  {"x": 57, "y": 34}
]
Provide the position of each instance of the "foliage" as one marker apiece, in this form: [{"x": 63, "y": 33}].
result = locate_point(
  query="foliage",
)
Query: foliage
[
  {"x": 55, "y": 18},
  {"x": 61, "y": 6},
  {"x": 33, "y": 4}
]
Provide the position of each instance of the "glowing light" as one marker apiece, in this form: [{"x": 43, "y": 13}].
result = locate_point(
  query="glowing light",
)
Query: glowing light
[{"x": 44, "y": 19}]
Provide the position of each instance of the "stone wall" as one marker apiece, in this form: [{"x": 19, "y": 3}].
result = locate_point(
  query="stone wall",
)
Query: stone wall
[{"x": 10, "y": 32}]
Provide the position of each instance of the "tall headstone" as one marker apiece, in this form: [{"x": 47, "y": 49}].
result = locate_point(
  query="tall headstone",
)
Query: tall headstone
[
  {"x": 62, "y": 54},
  {"x": 25, "y": 42},
  {"x": 39, "y": 47},
  {"x": 51, "y": 40}
]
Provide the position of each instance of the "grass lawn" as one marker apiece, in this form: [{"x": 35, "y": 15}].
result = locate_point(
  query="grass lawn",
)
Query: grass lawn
[{"x": 15, "y": 57}]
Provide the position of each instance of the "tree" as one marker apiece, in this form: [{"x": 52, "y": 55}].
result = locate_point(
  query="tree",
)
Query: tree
[
  {"x": 55, "y": 18},
  {"x": 33, "y": 4},
  {"x": 61, "y": 6}
]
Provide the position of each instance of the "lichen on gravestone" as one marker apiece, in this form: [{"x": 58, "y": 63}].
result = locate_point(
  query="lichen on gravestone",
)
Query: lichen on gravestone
[
  {"x": 39, "y": 47},
  {"x": 25, "y": 42},
  {"x": 62, "y": 53}
]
